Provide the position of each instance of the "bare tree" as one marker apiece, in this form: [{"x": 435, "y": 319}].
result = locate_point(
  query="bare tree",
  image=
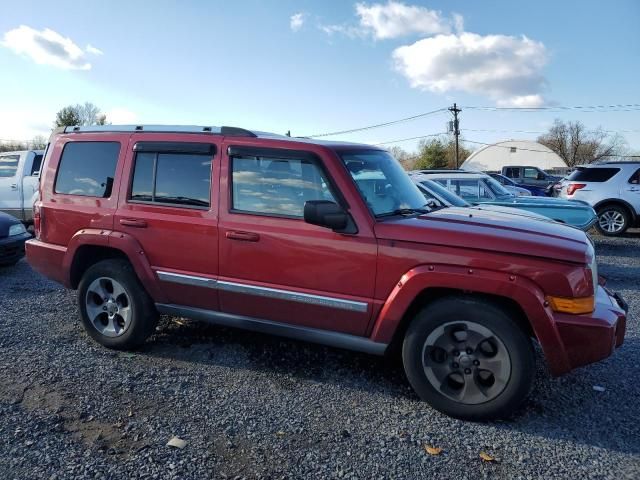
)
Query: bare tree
[
  {"x": 576, "y": 145},
  {"x": 406, "y": 159},
  {"x": 87, "y": 114}
]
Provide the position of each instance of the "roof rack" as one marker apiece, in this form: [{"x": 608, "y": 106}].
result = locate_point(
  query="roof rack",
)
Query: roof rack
[{"x": 226, "y": 131}]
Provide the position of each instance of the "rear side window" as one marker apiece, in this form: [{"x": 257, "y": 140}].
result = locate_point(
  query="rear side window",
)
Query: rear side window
[
  {"x": 87, "y": 168},
  {"x": 172, "y": 178},
  {"x": 513, "y": 172},
  {"x": 593, "y": 174},
  {"x": 8, "y": 165}
]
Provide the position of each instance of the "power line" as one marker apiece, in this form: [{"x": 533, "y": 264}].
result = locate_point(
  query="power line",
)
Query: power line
[
  {"x": 385, "y": 124},
  {"x": 630, "y": 107},
  {"x": 411, "y": 138}
]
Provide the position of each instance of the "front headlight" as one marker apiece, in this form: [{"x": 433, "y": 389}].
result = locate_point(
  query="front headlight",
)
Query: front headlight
[{"x": 16, "y": 229}]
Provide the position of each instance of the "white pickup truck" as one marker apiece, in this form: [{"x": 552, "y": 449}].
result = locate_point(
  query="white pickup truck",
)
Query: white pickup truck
[{"x": 19, "y": 177}]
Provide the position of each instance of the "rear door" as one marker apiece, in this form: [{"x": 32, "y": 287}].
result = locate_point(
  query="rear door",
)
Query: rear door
[
  {"x": 169, "y": 204},
  {"x": 10, "y": 187},
  {"x": 275, "y": 265},
  {"x": 631, "y": 191}
]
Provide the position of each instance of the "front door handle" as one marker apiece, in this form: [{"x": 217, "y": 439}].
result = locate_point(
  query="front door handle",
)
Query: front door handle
[
  {"x": 132, "y": 222},
  {"x": 243, "y": 236},
  {"x": 14, "y": 186}
]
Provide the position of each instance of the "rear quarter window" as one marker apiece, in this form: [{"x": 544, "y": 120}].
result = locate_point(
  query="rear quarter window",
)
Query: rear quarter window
[
  {"x": 87, "y": 169},
  {"x": 593, "y": 174}
]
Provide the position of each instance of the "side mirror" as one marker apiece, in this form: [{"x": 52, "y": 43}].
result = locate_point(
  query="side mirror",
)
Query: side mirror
[{"x": 327, "y": 214}]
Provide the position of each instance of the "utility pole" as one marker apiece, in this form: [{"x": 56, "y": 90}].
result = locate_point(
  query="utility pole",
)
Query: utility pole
[{"x": 456, "y": 128}]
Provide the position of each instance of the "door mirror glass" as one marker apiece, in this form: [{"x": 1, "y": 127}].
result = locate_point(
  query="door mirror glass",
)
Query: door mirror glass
[{"x": 326, "y": 214}]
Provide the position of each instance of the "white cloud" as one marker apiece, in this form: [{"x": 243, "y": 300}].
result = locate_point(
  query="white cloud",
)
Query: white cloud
[
  {"x": 297, "y": 21},
  {"x": 505, "y": 68},
  {"x": 46, "y": 47},
  {"x": 93, "y": 50},
  {"x": 396, "y": 19},
  {"x": 121, "y": 116},
  {"x": 458, "y": 23}
]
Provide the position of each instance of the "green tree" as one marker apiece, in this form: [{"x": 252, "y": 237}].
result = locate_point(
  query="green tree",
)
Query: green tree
[
  {"x": 80, "y": 114},
  {"x": 439, "y": 153}
]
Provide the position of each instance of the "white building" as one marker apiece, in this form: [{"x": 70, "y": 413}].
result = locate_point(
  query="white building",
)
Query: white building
[{"x": 513, "y": 152}]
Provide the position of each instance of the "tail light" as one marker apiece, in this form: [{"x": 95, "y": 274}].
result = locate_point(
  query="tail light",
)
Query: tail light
[
  {"x": 571, "y": 189},
  {"x": 37, "y": 218}
]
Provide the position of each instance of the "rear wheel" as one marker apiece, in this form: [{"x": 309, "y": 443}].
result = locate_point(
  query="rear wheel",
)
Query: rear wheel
[
  {"x": 116, "y": 310},
  {"x": 468, "y": 359},
  {"x": 613, "y": 220}
]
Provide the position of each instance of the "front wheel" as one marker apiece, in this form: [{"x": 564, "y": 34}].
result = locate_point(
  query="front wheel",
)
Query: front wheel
[
  {"x": 115, "y": 309},
  {"x": 468, "y": 359}
]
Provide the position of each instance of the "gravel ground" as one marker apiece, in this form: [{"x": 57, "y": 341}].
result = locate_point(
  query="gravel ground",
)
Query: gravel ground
[{"x": 251, "y": 406}]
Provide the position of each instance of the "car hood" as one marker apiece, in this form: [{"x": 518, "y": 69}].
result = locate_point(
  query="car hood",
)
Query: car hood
[
  {"x": 542, "y": 202},
  {"x": 512, "y": 211},
  {"x": 6, "y": 221},
  {"x": 490, "y": 230}
]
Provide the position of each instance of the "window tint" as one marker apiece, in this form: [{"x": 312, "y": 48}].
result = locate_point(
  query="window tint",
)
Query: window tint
[
  {"x": 8, "y": 165},
  {"x": 180, "y": 178},
  {"x": 276, "y": 186},
  {"x": 37, "y": 163},
  {"x": 87, "y": 168},
  {"x": 593, "y": 174}
]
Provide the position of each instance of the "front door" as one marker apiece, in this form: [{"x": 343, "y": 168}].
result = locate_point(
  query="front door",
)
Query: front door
[
  {"x": 631, "y": 191},
  {"x": 10, "y": 187},
  {"x": 169, "y": 205},
  {"x": 279, "y": 268}
]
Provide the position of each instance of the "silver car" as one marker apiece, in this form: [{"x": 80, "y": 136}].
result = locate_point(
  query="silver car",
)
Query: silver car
[{"x": 612, "y": 189}]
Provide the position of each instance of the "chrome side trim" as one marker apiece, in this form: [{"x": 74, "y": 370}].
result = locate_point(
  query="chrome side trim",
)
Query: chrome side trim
[
  {"x": 291, "y": 296},
  {"x": 186, "y": 279},
  {"x": 306, "y": 334}
]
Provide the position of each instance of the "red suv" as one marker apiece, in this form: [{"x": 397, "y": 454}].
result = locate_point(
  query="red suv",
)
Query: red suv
[{"x": 325, "y": 242}]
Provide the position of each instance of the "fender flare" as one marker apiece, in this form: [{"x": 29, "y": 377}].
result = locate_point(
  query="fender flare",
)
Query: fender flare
[
  {"x": 621, "y": 202},
  {"x": 523, "y": 291},
  {"x": 123, "y": 242}
]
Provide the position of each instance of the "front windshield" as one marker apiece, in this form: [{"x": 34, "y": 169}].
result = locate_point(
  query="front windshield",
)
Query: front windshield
[
  {"x": 383, "y": 183},
  {"x": 496, "y": 188},
  {"x": 445, "y": 194}
]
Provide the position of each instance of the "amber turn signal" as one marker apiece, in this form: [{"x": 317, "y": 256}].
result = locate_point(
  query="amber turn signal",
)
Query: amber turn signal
[{"x": 576, "y": 306}]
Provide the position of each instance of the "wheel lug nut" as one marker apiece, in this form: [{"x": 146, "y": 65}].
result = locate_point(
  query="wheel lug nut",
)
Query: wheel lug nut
[
  {"x": 456, "y": 353},
  {"x": 469, "y": 351},
  {"x": 104, "y": 308},
  {"x": 467, "y": 371},
  {"x": 455, "y": 365},
  {"x": 476, "y": 363}
]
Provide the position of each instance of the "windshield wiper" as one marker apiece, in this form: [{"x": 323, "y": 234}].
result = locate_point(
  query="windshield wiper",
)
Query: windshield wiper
[{"x": 404, "y": 211}]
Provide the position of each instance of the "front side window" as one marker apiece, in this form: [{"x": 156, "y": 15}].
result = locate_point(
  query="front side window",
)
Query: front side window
[
  {"x": 382, "y": 182},
  {"x": 531, "y": 173},
  {"x": 276, "y": 186},
  {"x": 87, "y": 168},
  {"x": 497, "y": 188},
  {"x": 470, "y": 189},
  {"x": 181, "y": 179},
  {"x": 9, "y": 165}
]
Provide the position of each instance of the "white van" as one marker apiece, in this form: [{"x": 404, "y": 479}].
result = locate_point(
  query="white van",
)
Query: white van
[{"x": 19, "y": 177}]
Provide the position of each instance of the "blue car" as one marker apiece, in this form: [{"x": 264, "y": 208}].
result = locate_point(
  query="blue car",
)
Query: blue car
[{"x": 507, "y": 182}]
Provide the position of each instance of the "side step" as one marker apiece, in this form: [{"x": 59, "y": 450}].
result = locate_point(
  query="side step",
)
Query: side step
[{"x": 313, "y": 335}]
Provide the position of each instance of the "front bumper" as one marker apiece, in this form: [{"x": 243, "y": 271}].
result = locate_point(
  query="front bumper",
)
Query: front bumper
[
  {"x": 12, "y": 248},
  {"x": 594, "y": 337}
]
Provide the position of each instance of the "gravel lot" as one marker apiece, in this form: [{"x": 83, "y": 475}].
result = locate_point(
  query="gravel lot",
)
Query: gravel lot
[{"x": 256, "y": 406}]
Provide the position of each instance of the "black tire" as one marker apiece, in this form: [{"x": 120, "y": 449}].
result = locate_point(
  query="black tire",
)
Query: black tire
[
  {"x": 143, "y": 314},
  {"x": 612, "y": 210},
  {"x": 447, "y": 313}
]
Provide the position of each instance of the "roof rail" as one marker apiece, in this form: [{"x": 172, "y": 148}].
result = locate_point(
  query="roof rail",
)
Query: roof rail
[{"x": 226, "y": 131}]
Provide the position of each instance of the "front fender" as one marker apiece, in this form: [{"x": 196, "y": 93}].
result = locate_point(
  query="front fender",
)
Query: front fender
[{"x": 524, "y": 292}]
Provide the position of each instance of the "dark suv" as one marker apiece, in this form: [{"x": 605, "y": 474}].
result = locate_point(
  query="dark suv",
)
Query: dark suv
[{"x": 321, "y": 241}]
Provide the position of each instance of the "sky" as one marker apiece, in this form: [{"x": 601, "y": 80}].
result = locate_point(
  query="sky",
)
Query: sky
[{"x": 313, "y": 67}]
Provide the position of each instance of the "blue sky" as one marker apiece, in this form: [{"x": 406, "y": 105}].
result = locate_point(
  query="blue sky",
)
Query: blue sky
[{"x": 321, "y": 66}]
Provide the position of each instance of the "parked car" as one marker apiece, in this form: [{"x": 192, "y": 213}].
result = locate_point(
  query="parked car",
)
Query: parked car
[
  {"x": 13, "y": 234},
  {"x": 510, "y": 185},
  {"x": 613, "y": 189},
  {"x": 481, "y": 189},
  {"x": 278, "y": 235},
  {"x": 443, "y": 197},
  {"x": 19, "y": 172},
  {"x": 529, "y": 176}
]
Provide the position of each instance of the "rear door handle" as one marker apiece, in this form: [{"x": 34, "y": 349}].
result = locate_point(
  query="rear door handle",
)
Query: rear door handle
[
  {"x": 132, "y": 222},
  {"x": 243, "y": 236},
  {"x": 14, "y": 186}
]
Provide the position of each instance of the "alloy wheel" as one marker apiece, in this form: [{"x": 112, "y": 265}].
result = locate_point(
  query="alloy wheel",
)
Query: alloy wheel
[
  {"x": 108, "y": 307},
  {"x": 466, "y": 362},
  {"x": 611, "y": 221}
]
